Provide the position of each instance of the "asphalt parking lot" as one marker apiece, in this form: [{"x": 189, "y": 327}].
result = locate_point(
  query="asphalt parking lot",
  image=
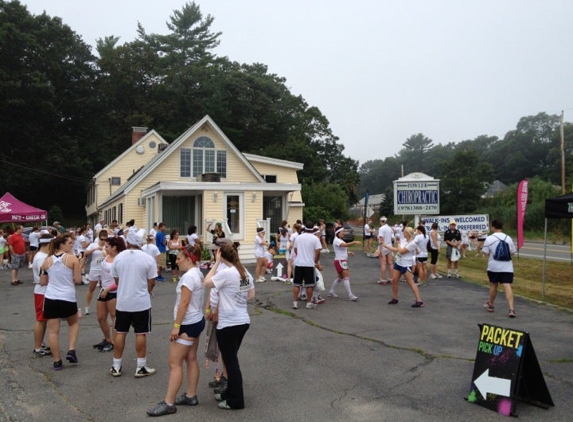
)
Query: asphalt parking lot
[{"x": 358, "y": 361}]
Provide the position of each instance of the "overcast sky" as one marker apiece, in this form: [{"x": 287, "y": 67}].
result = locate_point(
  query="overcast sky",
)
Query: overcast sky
[{"x": 379, "y": 70}]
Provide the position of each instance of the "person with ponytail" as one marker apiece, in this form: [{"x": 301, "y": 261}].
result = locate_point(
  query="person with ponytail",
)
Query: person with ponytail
[
  {"x": 188, "y": 325},
  {"x": 341, "y": 264},
  {"x": 60, "y": 272},
  {"x": 235, "y": 286}
]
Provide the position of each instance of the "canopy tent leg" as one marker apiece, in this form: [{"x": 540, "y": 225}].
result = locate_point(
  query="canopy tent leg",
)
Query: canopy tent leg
[{"x": 544, "y": 261}]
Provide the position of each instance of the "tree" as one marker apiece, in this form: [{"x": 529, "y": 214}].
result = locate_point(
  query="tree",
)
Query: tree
[{"x": 463, "y": 181}]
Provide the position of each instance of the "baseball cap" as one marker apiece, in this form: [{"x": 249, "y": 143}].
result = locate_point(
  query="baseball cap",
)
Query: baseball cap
[{"x": 453, "y": 222}]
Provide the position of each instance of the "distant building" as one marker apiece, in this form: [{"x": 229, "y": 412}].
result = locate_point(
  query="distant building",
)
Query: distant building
[
  {"x": 495, "y": 188},
  {"x": 374, "y": 203}
]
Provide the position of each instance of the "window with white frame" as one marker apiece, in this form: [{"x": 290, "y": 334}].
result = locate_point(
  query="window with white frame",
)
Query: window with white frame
[{"x": 203, "y": 158}]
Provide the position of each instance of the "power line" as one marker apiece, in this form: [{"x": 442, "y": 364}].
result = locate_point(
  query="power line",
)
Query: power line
[{"x": 70, "y": 178}]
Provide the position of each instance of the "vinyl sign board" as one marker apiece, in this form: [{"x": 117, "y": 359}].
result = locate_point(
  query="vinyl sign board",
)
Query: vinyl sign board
[
  {"x": 416, "y": 197},
  {"x": 477, "y": 222}
]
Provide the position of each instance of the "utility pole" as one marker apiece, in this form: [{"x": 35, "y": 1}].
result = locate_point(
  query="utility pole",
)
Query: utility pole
[{"x": 562, "y": 156}]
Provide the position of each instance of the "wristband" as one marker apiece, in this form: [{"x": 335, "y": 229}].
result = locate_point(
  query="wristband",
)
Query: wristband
[
  {"x": 207, "y": 311},
  {"x": 176, "y": 325}
]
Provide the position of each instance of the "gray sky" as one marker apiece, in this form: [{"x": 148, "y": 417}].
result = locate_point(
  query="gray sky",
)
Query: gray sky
[{"x": 380, "y": 70}]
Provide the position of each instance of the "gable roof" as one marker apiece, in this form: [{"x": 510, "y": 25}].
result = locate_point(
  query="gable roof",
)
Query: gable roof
[
  {"x": 128, "y": 150},
  {"x": 173, "y": 146},
  {"x": 273, "y": 161}
]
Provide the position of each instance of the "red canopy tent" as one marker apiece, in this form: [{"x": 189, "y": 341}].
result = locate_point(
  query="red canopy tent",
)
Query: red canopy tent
[{"x": 15, "y": 211}]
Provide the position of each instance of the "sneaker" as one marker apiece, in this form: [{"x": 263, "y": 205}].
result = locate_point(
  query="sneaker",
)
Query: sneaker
[
  {"x": 100, "y": 344},
  {"x": 174, "y": 279},
  {"x": 58, "y": 366},
  {"x": 162, "y": 408},
  {"x": 393, "y": 302},
  {"x": 30, "y": 265},
  {"x": 288, "y": 281},
  {"x": 261, "y": 279},
  {"x": 160, "y": 279},
  {"x": 41, "y": 353},
  {"x": 46, "y": 350},
  {"x": 224, "y": 405},
  {"x": 215, "y": 383},
  {"x": 222, "y": 387},
  {"x": 382, "y": 282},
  {"x": 422, "y": 284},
  {"x": 185, "y": 400},
  {"x": 488, "y": 307},
  {"x": 311, "y": 305},
  {"x": 449, "y": 275},
  {"x": 295, "y": 305},
  {"x": 512, "y": 313},
  {"x": 144, "y": 371},
  {"x": 108, "y": 347},
  {"x": 115, "y": 372},
  {"x": 440, "y": 276},
  {"x": 87, "y": 311},
  {"x": 353, "y": 298},
  {"x": 418, "y": 305},
  {"x": 456, "y": 275},
  {"x": 71, "y": 356},
  {"x": 433, "y": 277},
  {"x": 319, "y": 299},
  {"x": 332, "y": 294},
  {"x": 303, "y": 297},
  {"x": 218, "y": 397}
]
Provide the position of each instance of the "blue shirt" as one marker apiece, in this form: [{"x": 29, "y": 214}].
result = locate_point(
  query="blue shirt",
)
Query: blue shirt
[{"x": 160, "y": 241}]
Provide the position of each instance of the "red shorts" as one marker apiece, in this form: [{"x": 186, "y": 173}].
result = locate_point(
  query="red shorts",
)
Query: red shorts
[
  {"x": 39, "y": 306},
  {"x": 340, "y": 265}
]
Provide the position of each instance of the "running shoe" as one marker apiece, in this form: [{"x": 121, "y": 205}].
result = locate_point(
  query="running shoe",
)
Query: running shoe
[
  {"x": 100, "y": 344},
  {"x": 488, "y": 307},
  {"x": 295, "y": 305},
  {"x": 115, "y": 372},
  {"x": 144, "y": 371},
  {"x": 393, "y": 302},
  {"x": 353, "y": 298},
  {"x": 224, "y": 405},
  {"x": 87, "y": 311},
  {"x": 108, "y": 347},
  {"x": 418, "y": 305},
  {"x": 185, "y": 400},
  {"x": 311, "y": 305},
  {"x": 160, "y": 279},
  {"x": 433, "y": 276},
  {"x": 332, "y": 294},
  {"x": 58, "y": 366},
  {"x": 162, "y": 408},
  {"x": 319, "y": 299},
  {"x": 512, "y": 313},
  {"x": 71, "y": 356},
  {"x": 41, "y": 353}
]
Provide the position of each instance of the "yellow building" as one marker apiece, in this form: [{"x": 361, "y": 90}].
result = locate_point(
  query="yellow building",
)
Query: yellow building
[{"x": 198, "y": 179}]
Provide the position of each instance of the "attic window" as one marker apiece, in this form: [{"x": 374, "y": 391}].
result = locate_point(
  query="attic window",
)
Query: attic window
[
  {"x": 116, "y": 181},
  {"x": 270, "y": 178},
  {"x": 203, "y": 158}
]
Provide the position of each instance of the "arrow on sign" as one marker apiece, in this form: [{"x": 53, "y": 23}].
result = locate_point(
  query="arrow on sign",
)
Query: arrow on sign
[{"x": 486, "y": 384}]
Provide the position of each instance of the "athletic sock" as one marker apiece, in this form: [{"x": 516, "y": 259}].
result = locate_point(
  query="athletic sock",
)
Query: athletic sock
[
  {"x": 116, "y": 363},
  {"x": 346, "y": 283},
  {"x": 141, "y": 362}
]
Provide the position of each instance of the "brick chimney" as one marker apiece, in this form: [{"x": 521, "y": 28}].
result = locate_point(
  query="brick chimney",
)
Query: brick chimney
[{"x": 138, "y": 133}]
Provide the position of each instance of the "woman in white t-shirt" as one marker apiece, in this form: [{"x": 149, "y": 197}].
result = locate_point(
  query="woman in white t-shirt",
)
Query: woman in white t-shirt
[
  {"x": 341, "y": 264},
  {"x": 235, "y": 287},
  {"x": 192, "y": 237},
  {"x": 188, "y": 325},
  {"x": 421, "y": 239},
  {"x": 94, "y": 252},
  {"x": 260, "y": 247},
  {"x": 291, "y": 253},
  {"x": 403, "y": 266}
]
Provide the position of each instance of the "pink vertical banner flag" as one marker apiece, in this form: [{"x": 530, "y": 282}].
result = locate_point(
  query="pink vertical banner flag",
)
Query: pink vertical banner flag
[{"x": 521, "y": 206}]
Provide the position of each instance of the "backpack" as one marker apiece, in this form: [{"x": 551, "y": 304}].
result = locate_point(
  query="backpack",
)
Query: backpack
[{"x": 502, "y": 251}]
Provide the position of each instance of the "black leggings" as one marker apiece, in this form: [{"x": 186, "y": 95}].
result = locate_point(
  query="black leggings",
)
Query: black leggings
[
  {"x": 229, "y": 340},
  {"x": 172, "y": 260},
  {"x": 434, "y": 256}
]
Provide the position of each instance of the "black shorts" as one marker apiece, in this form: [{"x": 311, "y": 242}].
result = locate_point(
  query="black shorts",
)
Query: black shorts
[
  {"x": 367, "y": 237},
  {"x": 304, "y": 276},
  {"x": 108, "y": 297},
  {"x": 421, "y": 259},
  {"x": 502, "y": 278},
  {"x": 434, "y": 256},
  {"x": 54, "y": 308},
  {"x": 140, "y": 321},
  {"x": 193, "y": 330}
]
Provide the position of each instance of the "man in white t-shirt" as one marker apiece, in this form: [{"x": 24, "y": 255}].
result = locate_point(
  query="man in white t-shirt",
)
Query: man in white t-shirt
[
  {"x": 386, "y": 236},
  {"x": 134, "y": 272},
  {"x": 307, "y": 248}
]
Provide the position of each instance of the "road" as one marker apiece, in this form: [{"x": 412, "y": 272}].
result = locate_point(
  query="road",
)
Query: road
[{"x": 554, "y": 252}]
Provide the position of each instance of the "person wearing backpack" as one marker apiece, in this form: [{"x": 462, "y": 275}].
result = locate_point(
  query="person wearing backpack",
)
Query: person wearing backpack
[{"x": 499, "y": 247}]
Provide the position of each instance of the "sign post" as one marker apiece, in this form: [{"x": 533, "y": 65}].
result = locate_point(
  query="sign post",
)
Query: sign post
[{"x": 506, "y": 370}]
